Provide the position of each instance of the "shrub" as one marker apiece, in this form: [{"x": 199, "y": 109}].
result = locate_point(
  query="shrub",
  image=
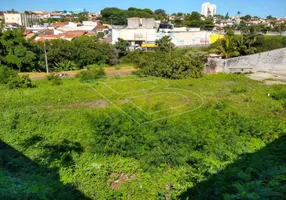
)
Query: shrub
[
  {"x": 237, "y": 90},
  {"x": 6, "y": 74},
  {"x": 280, "y": 94},
  {"x": 91, "y": 73},
  {"x": 268, "y": 43},
  {"x": 54, "y": 79},
  {"x": 20, "y": 82},
  {"x": 178, "y": 64}
]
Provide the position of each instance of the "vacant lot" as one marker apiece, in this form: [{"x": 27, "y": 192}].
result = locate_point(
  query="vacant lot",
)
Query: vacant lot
[{"x": 216, "y": 137}]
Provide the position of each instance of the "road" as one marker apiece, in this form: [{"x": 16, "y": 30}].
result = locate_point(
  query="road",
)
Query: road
[{"x": 109, "y": 71}]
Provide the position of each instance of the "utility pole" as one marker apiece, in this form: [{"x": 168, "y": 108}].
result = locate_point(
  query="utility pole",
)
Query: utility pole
[{"x": 46, "y": 57}]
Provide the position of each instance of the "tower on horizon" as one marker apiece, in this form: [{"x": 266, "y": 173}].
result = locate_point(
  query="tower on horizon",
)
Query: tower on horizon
[{"x": 208, "y": 9}]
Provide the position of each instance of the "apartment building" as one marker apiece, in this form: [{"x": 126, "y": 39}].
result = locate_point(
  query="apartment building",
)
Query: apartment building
[{"x": 208, "y": 9}]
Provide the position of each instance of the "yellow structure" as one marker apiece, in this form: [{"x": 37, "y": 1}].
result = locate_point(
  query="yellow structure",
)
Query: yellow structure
[
  {"x": 215, "y": 37},
  {"x": 148, "y": 45}
]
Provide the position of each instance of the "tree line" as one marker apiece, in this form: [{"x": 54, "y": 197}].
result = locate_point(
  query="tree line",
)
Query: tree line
[
  {"x": 26, "y": 55},
  {"x": 119, "y": 16}
]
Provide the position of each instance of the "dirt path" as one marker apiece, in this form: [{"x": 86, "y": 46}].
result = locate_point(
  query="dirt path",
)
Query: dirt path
[
  {"x": 268, "y": 78},
  {"x": 109, "y": 71}
]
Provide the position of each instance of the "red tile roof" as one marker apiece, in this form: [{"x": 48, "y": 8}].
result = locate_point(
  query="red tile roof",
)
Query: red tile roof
[
  {"x": 73, "y": 34},
  {"x": 101, "y": 27},
  {"x": 26, "y": 32},
  {"x": 30, "y": 35},
  {"x": 58, "y": 24},
  {"x": 47, "y": 32}
]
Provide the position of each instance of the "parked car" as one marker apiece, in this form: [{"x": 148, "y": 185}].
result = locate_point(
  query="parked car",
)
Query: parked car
[{"x": 63, "y": 75}]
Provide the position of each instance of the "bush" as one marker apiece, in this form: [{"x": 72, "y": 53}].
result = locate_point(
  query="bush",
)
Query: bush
[
  {"x": 20, "y": 82},
  {"x": 178, "y": 64},
  {"x": 6, "y": 74},
  {"x": 91, "y": 73},
  {"x": 54, "y": 79},
  {"x": 268, "y": 43}
]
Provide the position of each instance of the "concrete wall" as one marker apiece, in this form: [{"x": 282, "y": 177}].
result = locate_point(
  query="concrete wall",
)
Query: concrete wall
[
  {"x": 148, "y": 23},
  {"x": 134, "y": 22},
  {"x": 270, "y": 61}
]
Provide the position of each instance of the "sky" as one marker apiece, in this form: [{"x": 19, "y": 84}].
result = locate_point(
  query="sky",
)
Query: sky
[{"x": 261, "y": 8}]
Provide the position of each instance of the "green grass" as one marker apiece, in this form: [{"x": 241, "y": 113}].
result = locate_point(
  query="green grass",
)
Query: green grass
[
  {"x": 117, "y": 66},
  {"x": 65, "y": 141}
]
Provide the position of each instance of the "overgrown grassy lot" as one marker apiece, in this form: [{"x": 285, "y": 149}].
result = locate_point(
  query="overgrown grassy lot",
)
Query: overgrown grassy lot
[{"x": 69, "y": 142}]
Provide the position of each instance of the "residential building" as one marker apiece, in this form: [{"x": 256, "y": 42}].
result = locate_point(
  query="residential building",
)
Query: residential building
[
  {"x": 55, "y": 34},
  {"x": 144, "y": 31},
  {"x": 208, "y": 9},
  {"x": 71, "y": 26},
  {"x": 103, "y": 29},
  {"x": 227, "y": 22},
  {"x": 56, "y": 15},
  {"x": 21, "y": 19},
  {"x": 1, "y": 16}
]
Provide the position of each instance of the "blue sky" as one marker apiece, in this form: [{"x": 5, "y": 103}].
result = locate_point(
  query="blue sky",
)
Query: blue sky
[{"x": 253, "y": 7}]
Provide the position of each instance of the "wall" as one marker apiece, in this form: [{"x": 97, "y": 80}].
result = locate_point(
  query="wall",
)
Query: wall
[
  {"x": 148, "y": 23},
  {"x": 180, "y": 38},
  {"x": 13, "y": 18},
  {"x": 270, "y": 61},
  {"x": 114, "y": 35},
  {"x": 133, "y": 34},
  {"x": 133, "y": 22},
  {"x": 215, "y": 37}
]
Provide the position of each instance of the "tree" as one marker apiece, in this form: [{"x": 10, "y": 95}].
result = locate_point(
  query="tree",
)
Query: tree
[
  {"x": 238, "y": 13},
  {"x": 270, "y": 17},
  {"x": 195, "y": 16},
  {"x": 12, "y": 11},
  {"x": 225, "y": 48},
  {"x": 246, "y": 18},
  {"x": 182, "y": 63},
  {"x": 226, "y": 16},
  {"x": 16, "y": 52},
  {"x": 160, "y": 12},
  {"x": 232, "y": 45},
  {"x": 165, "y": 44},
  {"x": 243, "y": 45},
  {"x": 122, "y": 47},
  {"x": 147, "y": 10},
  {"x": 207, "y": 25}
]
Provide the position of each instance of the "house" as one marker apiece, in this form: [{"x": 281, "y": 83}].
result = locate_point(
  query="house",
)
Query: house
[
  {"x": 11, "y": 26},
  {"x": 21, "y": 19},
  {"x": 56, "y": 15},
  {"x": 56, "y": 34},
  {"x": 228, "y": 22},
  {"x": 1, "y": 16},
  {"x": 59, "y": 24},
  {"x": 102, "y": 29},
  {"x": 70, "y": 35},
  {"x": 42, "y": 14},
  {"x": 71, "y": 26}
]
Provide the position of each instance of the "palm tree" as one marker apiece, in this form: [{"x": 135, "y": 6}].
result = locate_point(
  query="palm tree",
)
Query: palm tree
[
  {"x": 238, "y": 13},
  {"x": 226, "y": 48},
  {"x": 243, "y": 45}
]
